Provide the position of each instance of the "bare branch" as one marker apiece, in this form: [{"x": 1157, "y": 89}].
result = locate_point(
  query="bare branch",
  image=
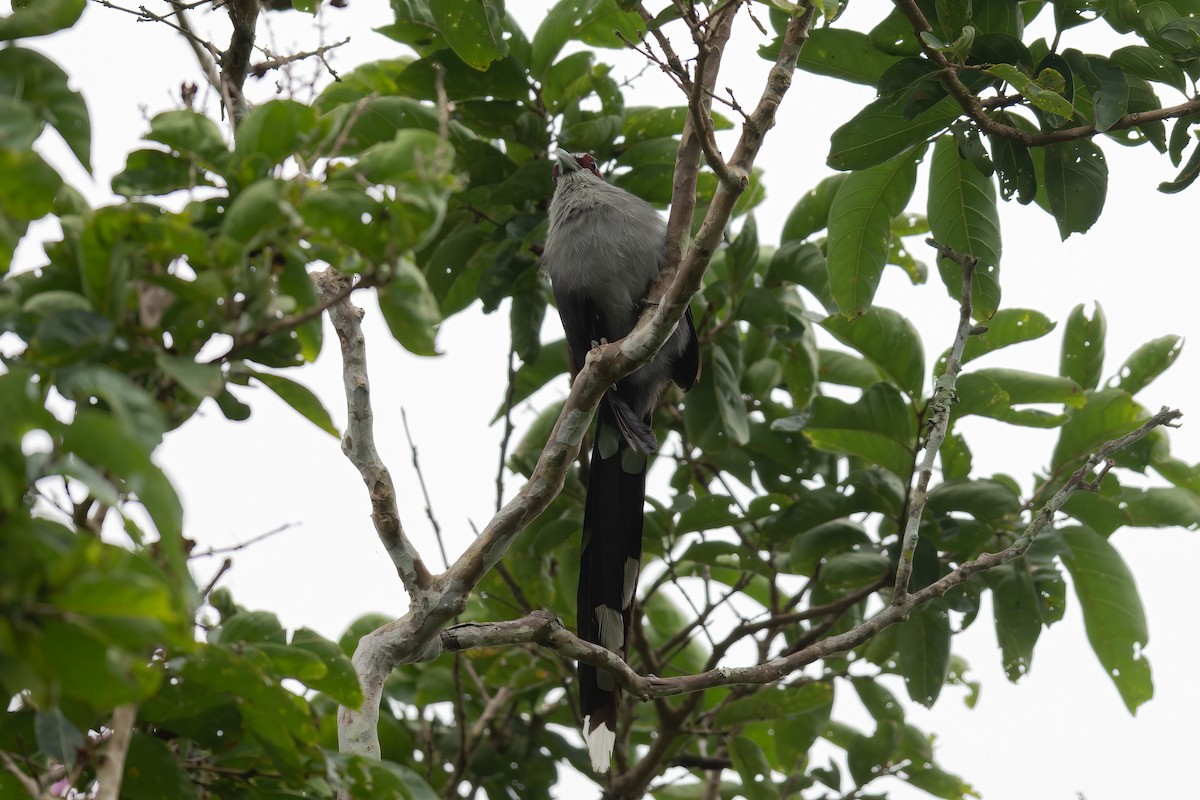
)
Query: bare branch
[
  {"x": 29, "y": 784},
  {"x": 416, "y": 462},
  {"x": 263, "y": 67},
  {"x": 359, "y": 442},
  {"x": 214, "y": 551},
  {"x": 235, "y": 61},
  {"x": 111, "y": 767},
  {"x": 938, "y": 421}
]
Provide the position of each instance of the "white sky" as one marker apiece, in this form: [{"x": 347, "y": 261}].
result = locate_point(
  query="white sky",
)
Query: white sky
[{"x": 1063, "y": 730}]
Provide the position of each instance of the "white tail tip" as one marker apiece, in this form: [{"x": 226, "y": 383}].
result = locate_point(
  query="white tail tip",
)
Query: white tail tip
[{"x": 600, "y": 743}]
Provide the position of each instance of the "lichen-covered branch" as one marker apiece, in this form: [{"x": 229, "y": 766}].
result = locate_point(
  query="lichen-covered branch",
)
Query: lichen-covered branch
[{"x": 938, "y": 421}]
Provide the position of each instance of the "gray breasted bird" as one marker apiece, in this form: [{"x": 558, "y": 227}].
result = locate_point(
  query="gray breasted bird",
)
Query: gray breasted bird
[{"x": 603, "y": 251}]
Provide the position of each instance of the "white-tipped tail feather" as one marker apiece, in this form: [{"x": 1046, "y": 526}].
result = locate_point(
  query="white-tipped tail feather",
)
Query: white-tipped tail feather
[{"x": 600, "y": 743}]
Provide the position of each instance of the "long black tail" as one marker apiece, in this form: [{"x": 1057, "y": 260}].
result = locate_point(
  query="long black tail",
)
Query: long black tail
[{"x": 610, "y": 560}]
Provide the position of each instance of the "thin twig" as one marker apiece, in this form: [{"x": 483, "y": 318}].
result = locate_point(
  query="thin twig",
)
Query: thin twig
[
  {"x": 215, "y": 551},
  {"x": 416, "y": 462},
  {"x": 263, "y": 67}
]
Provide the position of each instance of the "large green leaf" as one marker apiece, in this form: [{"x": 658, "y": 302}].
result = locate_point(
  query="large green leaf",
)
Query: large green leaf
[
  {"x": 840, "y": 53},
  {"x": 1008, "y": 326},
  {"x": 963, "y": 216},
  {"x": 101, "y": 440},
  {"x": 880, "y": 132},
  {"x": 860, "y": 220},
  {"x": 1082, "y": 357},
  {"x": 880, "y": 428},
  {"x": 1018, "y": 615},
  {"x": 1076, "y": 184},
  {"x": 299, "y": 397},
  {"x": 995, "y": 393},
  {"x": 924, "y": 647},
  {"x": 1148, "y": 362},
  {"x": 811, "y": 212},
  {"x": 30, "y": 76},
  {"x": 730, "y": 403},
  {"x": 594, "y": 22},
  {"x": 1112, "y": 612},
  {"x": 410, "y": 309},
  {"x": 475, "y": 30},
  {"x": 269, "y": 134},
  {"x": 888, "y": 340},
  {"x": 40, "y": 18}
]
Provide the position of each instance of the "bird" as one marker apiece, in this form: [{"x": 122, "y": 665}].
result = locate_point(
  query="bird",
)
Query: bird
[{"x": 603, "y": 251}]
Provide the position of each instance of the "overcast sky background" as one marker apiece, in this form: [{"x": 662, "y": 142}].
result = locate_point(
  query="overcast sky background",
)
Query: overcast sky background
[{"x": 1063, "y": 730}]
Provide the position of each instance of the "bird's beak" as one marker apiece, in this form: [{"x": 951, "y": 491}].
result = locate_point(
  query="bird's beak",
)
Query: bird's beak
[{"x": 566, "y": 162}]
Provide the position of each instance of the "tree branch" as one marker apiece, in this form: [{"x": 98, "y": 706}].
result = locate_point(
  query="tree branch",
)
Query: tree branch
[
  {"x": 111, "y": 768},
  {"x": 938, "y": 421},
  {"x": 547, "y": 630},
  {"x": 974, "y": 107},
  {"x": 359, "y": 442}
]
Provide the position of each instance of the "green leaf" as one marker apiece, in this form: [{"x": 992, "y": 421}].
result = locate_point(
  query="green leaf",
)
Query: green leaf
[
  {"x": 1112, "y": 612},
  {"x": 100, "y": 439},
  {"x": 153, "y": 772},
  {"x": 811, "y": 212},
  {"x": 880, "y": 428},
  {"x": 880, "y": 132},
  {"x": 1018, "y": 615},
  {"x": 1187, "y": 176},
  {"x": 878, "y": 700},
  {"x": 475, "y": 30},
  {"x": 1109, "y": 413},
  {"x": 410, "y": 309},
  {"x": 730, "y": 403},
  {"x": 924, "y": 652},
  {"x": 19, "y": 126},
  {"x": 153, "y": 172},
  {"x": 847, "y": 572},
  {"x": 594, "y": 22},
  {"x": 1148, "y": 362},
  {"x": 192, "y": 134},
  {"x": 1007, "y": 327},
  {"x": 1150, "y": 64},
  {"x": 963, "y": 216},
  {"x": 1161, "y": 507},
  {"x": 1076, "y": 184},
  {"x": 254, "y": 209},
  {"x": 809, "y": 548},
  {"x": 142, "y": 417},
  {"x": 888, "y": 340},
  {"x": 840, "y": 53},
  {"x": 984, "y": 499},
  {"x": 1014, "y": 165},
  {"x": 1111, "y": 97},
  {"x": 995, "y": 393},
  {"x": 860, "y": 220},
  {"x": 57, "y": 737},
  {"x": 1082, "y": 356},
  {"x": 751, "y": 763},
  {"x": 28, "y": 185},
  {"x": 1042, "y": 92},
  {"x": 29, "y": 76},
  {"x": 299, "y": 397},
  {"x": 40, "y": 18},
  {"x": 269, "y": 134},
  {"x": 340, "y": 680}
]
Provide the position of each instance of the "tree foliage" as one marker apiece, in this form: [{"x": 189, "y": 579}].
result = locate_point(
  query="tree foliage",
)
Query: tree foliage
[{"x": 793, "y": 464}]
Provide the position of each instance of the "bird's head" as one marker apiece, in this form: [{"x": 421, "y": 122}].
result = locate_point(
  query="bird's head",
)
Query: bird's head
[{"x": 566, "y": 163}]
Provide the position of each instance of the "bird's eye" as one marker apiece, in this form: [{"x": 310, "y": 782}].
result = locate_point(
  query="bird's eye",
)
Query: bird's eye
[{"x": 589, "y": 163}]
